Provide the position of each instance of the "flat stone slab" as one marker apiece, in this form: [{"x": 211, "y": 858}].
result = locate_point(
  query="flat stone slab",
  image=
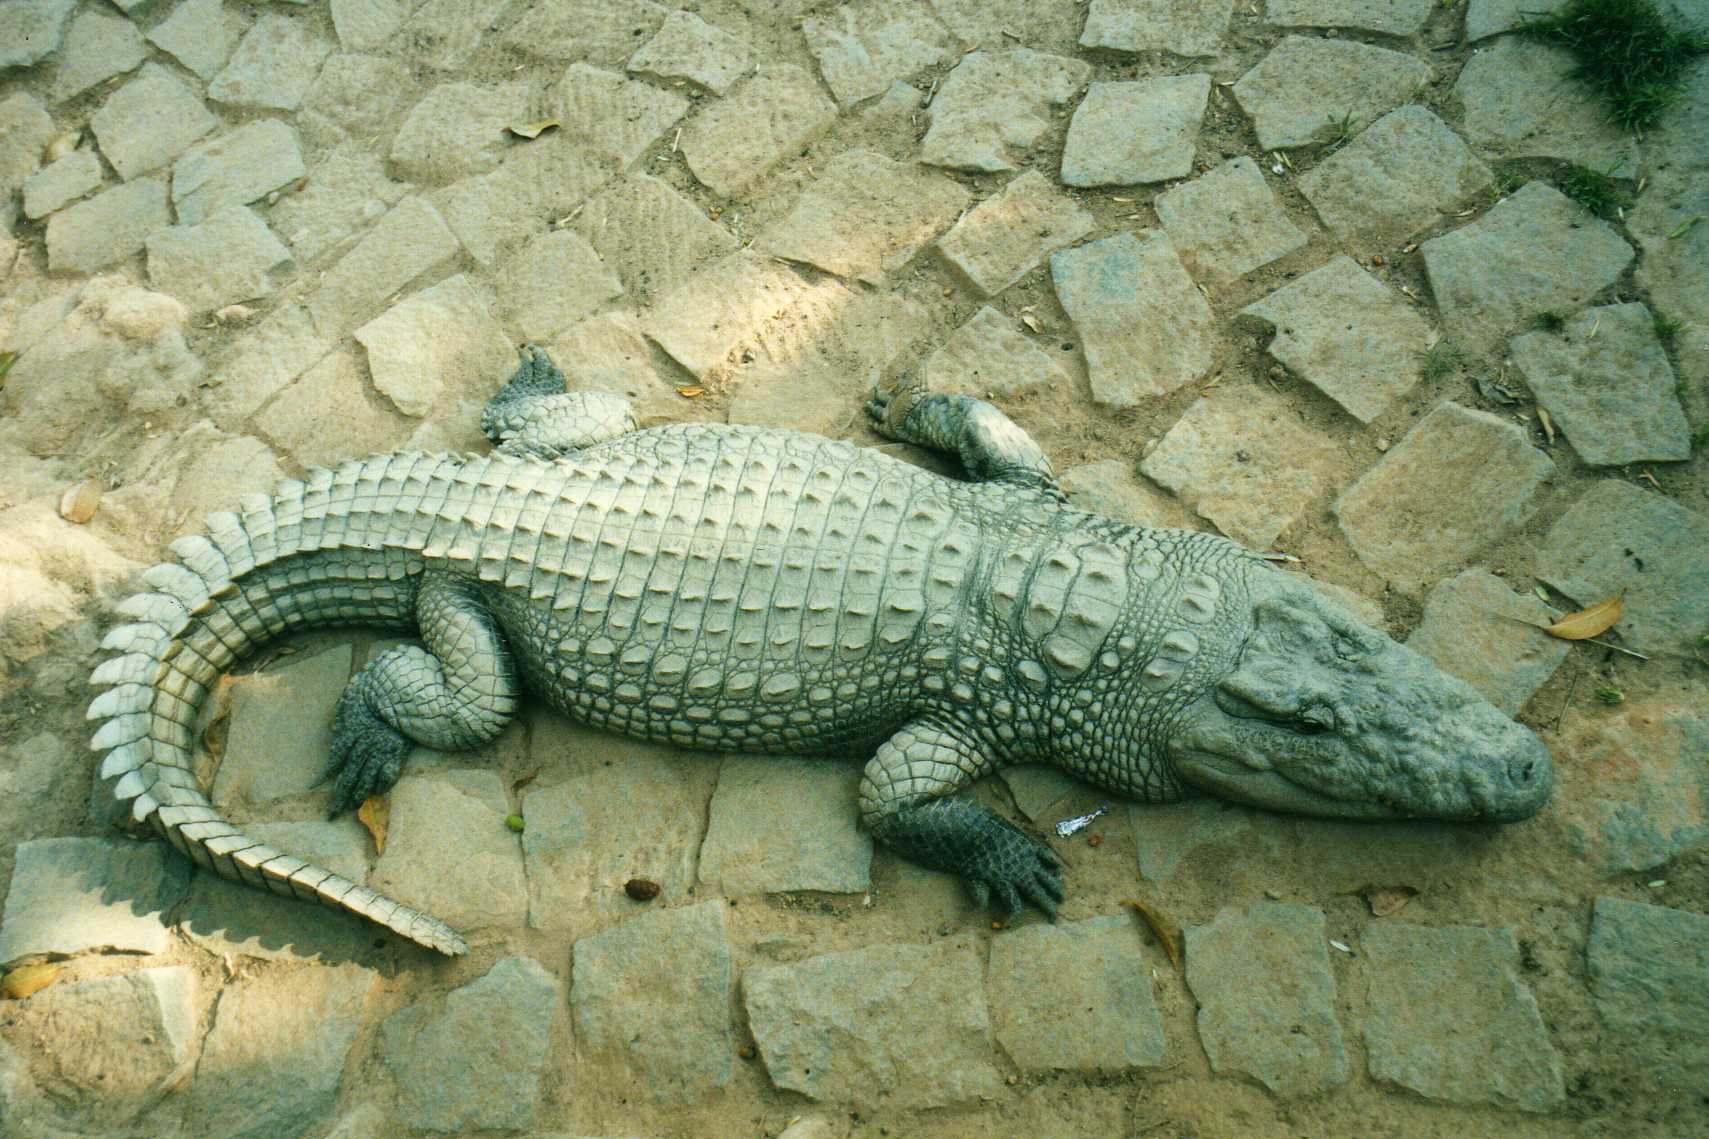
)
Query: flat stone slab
[
  {"x": 1004, "y": 237},
  {"x": 903, "y": 1026},
  {"x": 553, "y": 282},
  {"x": 587, "y": 836},
  {"x": 1621, "y": 539},
  {"x": 1522, "y": 100},
  {"x": 863, "y": 47},
  {"x": 225, "y": 259},
  {"x": 1485, "y": 18},
  {"x": 1346, "y": 334},
  {"x": 1449, "y": 1019},
  {"x": 442, "y": 344},
  {"x": 1307, "y": 87},
  {"x": 1226, "y": 223},
  {"x": 991, "y": 356},
  {"x": 823, "y": 848},
  {"x": 1113, "y": 488},
  {"x": 609, "y": 354},
  {"x": 25, "y": 128},
  {"x": 604, "y": 32},
  {"x": 231, "y": 917},
  {"x": 1003, "y": 23},
  {"x": 1606, "y": 380},
  {"x": 615, "y": 117},
  {"x": 280, "y": 731},
  {"x": 1243, "y": 460},
  {"x": 1181, "y": 27},
  {"x": 276, "y": 350},
  {"x": 1536, "y": 251},
  {"x": 537, "y": 184},
  {"x": 768, "y": 117},
  {"x": 31, "y": 30},
  {"x": 235, "y": 169},
  {"x": 329, "y": 413},
  {"x": 1168, "y": 835},
  {"x": 447, "y": 34},
  {"x": 273, "y": 66},
  {"x": 1144, "y": 327},
  {"x": 149, "y": 121},
  {"x": 1075, "y": 997},
  {"x": 200, "y": 34},
  {"x": 651, "y": 1000},
  {"x": 865, "y": 216},
  {"x": 304, "y": 1021},
  {"x": 109, "y": 1047},
  {"x": 408, "y": 241},
  {"x": 995, "y": 104},
  {"x": 474, "y": 1062},
  {"x": 70, "y": 895},
  {"x": 449, "y": 853},
  {"x": 1403, "y": 173},
  {"x": 1649, "y": 976},
  {"x": 455, "y": 130},
  {"x": 1475, "y": 627},
  {"x": 1459, "y": 479},
  {"x": 97, "y": 47},
  {"x": 61, "y": 183},
  {"x": 1267, "y": 998},
  {"x": 652, "y": 236},
  {"x": 1390, "y": 17},
  {"x": 355, "y": 103},
  {"x": 729, "y": 304},
  {"x": 687, "y": 47},
  {"x": 1637, "y": 795},
  {"x": 363, "y": 25},
  {"x": 1126, "y": 134},
  {"x": 109, "y": 227}
]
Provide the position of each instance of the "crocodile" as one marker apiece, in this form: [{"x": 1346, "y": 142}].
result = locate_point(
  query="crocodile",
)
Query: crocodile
[{"x": 732, "y": 588}]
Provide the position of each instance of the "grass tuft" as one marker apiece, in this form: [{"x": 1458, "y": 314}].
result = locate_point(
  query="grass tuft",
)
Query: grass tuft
[
  {"x": 1548, "y": 322},
  {"x": 1595, "y": 190},
  {"x": 1441, "y": 360},
  {"x": 1627, "y": 51},
  {"x": 1667, "y": 329}
]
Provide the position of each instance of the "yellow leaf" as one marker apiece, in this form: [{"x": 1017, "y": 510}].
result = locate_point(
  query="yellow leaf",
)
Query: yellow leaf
[
  {"x": 373, "y": 814},
  {"x": 1587, "y": 623},
  {"x": 27, "y": 980},
  {"x": 532, "y": 130},
  {"x": 1163, "y": 928},
  {"x": 78, "y": 503},
  {"x": 689, "y": 393}
]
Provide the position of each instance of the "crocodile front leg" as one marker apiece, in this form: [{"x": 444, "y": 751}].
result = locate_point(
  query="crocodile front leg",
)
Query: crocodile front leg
[
  {"x": 990, "y": 444},
  {"x": 533, "y": 414},
  {"x": 902, "y": 802},
  {"x": 457, "y": 690}
]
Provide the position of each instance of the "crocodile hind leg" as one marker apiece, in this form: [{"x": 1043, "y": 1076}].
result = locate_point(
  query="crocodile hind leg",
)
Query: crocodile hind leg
[
  {"x": 454, "y": 691},
  {"x": 903, "y": 804},
  {"x": 990, "y": 445},
  {"x": 533, "y": 414}
]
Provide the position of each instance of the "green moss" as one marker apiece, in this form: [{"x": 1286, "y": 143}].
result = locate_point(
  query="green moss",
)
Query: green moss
[
  {"x": 1626, "y": 50},
  {"x": 1595, "y": 190}
]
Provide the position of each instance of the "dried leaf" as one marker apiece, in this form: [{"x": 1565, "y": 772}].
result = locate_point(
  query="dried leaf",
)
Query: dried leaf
[
  {"x": 78, "y": 503},
  {"x": 1163, "y": 928},
  {"x": 1548, "y": 424},
  {"x": 1587, "y": 623},
  {"x": 532, "y": 130},
  {"x": 374, "y": 814},
  {"x": 7, "y": 359},
  {"x": 26, "y": 980},
  {"x": 689, "y": 393},
  {"x": 1032, "y": 322},
  {"x": 1387, "y": 900}
]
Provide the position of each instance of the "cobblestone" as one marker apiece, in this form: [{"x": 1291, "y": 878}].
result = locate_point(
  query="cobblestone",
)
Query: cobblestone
[
  {"x": 549, "y": 284},
  {"x": 650, "y": 235},
  {"x": 148, "y": 122},
  {"x": 31, "y": 30},
  {"x": 457, "y": 129},
  {"x": 1143, "y": 326},
  {"x": 1390, "y": 17},
  {"x": 1649, "y": 975},
  {"x": 410, "y": 240},
  {"x": 1522, "y": 99},
  {"x": 69, "y": 895},
  {"x": 823, "y": 849},
  {"x": 25, "y": 128},
  {"x": 436, "y": 346},
  {"x": 995, "y": 104},
  {"x": 235, "y": 169},
  {"x": 1226, "y": 223},
  {"x": 1190, "y": 29},
  {"x": 225, "y": 259},
  {"x": 97, "y": 47},
  {"x": 109, "y": 227},
  {"x": 1637, "y": 796},
  {"x": 687, "y": 47},
  {"x": 990, "y": 356},
  {"x": 1477, "y": 628},
  {"x": 435, "y": 812},
  {"x": 1123, "y": 134},
  {"x": 363, "y": 25},
  {"x": 769, "y": 117},
  {"x": 61, "y": 183},
  {"x": 1306, "y": 88},
  {"x": 273, "y": 65},
  {"x": 1003, "y": 238},
  {"x": 862, "y": 47},
  {"x": 618, "y": 118},
  {"x": 200, "y": 34}
]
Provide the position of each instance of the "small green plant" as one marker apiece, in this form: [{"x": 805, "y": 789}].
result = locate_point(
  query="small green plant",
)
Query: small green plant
[
  {"x": 1506, "y": 181},
  {"x": 1667, "y": 329},
  {"x": 1700, "y": 437},
  {"x": 1548, "y": 322},
  {"x": 1337, "y": 132},
  {"x": 1610, "y": 695},
  {"x": 1595, "y": 190},
  {"x": 1627, "y": 50},
  {"x": 1441, "y": 360}
]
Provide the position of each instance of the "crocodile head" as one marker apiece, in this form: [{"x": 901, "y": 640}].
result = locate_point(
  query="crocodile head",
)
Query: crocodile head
[{"x": 1323, "y": 715}]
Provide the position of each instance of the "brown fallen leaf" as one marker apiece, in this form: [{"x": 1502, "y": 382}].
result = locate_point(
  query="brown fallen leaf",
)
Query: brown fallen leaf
[
  {"x": 26, "y": 980},
  {"x": 1548, "y": 424},
  {"x": 1387, "y": 900},
  {"x": 1032, "y": 322},
  {"x": 1163, "y": 928},
  {"x": 1587, "y": 623},
  {"x": 78, "y": 503},
  {"x": 689, "y": 393},
  {"x": 373, "y": 814},
  {"x": 532, "y": 130}
]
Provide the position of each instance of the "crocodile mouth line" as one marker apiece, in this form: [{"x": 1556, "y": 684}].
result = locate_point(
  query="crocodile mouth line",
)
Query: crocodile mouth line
[{"x": 1232, "y": 777}]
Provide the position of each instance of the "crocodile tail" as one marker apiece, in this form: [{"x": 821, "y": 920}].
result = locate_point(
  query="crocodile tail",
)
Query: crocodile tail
[{"x": 228, "y": 593}]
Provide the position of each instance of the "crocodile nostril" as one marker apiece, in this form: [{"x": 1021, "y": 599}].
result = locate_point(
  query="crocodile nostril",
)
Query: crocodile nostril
[{"x": 1523, "y": 773}]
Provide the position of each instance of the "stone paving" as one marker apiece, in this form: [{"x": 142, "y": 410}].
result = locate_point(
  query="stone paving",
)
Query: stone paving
[{"x": 1303, "y": 272}]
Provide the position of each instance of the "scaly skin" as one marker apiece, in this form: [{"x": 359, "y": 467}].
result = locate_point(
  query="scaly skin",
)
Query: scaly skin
[{"x": 739, "y": 589}]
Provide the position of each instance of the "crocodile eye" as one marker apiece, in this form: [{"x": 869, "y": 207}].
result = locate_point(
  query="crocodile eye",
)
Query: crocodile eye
[{"x": 1314, "y": 719}]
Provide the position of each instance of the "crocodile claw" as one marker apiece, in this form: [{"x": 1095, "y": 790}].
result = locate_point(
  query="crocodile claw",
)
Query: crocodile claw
[
  {"x": 1013, "y": 870},
  {"x": 367, "y": 756}
]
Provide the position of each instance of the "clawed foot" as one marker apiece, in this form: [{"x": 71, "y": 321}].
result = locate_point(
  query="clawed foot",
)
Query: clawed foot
[
  {"x": 885, "y": 409},
  {"x": 1014, "y": 870},
  {"x": 367, "y": 755}
]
